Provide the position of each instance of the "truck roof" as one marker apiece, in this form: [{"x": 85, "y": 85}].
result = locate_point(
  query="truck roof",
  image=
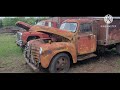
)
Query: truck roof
[{"x": 78, "y": 20}]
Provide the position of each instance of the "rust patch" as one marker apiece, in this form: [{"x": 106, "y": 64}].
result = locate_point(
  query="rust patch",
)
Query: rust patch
[
  {"x": 50, "y": 50},
  {"x": 53, "y": 30},
  {"x": 86, "y": 44},
  {"x": 23, "y": 25}
]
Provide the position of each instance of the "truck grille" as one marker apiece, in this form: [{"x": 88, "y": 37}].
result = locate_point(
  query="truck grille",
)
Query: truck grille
[{"x": 35, "y": 53}]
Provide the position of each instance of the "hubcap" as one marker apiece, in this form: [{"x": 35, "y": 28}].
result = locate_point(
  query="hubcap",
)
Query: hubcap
[{"x": 61, "y": 64}]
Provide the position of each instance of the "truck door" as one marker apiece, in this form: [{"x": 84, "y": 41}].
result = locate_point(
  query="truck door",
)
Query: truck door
[{"x": 86, "y": 40}]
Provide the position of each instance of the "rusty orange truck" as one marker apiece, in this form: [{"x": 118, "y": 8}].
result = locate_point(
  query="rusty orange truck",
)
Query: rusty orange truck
[{"x": 76, "y": 40}]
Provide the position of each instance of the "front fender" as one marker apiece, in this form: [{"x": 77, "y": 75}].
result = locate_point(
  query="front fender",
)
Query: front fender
[
  {"x": 25, "y": 37},
  {"x": 50, "y": 50}
]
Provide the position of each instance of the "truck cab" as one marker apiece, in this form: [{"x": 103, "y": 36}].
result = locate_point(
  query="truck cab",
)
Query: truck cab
[{"x": 73, "y": 42}]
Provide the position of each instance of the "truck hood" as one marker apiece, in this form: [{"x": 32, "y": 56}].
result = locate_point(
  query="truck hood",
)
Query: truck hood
[
  {"x": 23, "y": 25},
  {"x": 51, "y": 30}
]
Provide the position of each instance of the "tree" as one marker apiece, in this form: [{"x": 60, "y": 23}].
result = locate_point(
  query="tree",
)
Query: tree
[
  {"x": 11, "y": 21},
  {"x": 30, "y": 20},
  {"x": 0, "y": 23}
]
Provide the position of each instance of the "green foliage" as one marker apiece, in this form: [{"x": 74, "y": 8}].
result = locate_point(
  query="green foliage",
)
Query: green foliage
[
  {"x": 11, "y": 21},
  {"x": 0, "y": 23},
  {"x": 30, "y": 21},
  {"x": 8, "y": 46}
]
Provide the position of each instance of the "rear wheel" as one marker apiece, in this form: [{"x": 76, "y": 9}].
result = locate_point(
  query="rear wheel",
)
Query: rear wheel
[
  {"x": 60, "y": 64},
  {"x": 100, "y": 51}
]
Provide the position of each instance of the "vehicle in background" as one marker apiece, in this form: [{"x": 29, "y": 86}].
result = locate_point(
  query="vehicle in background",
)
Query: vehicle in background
[{"x": 24, "y": 36}]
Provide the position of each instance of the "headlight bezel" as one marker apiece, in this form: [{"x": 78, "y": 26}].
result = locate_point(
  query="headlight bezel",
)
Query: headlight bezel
[
  {"x": 40, "y": 50},
  {"x": 20, "y": 33},
  {"x": 28, "y": 43}
]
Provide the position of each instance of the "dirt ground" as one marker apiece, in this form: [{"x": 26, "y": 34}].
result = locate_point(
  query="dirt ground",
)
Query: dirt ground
[{"x": 108, "y": 63}]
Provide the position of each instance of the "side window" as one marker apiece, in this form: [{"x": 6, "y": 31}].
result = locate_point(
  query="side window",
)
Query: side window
[
  {"x": 41, "y": 23},
  {"x": 46, "y": 23},
  {"x": 50, "y": 24},
  {"x": 86, "y": 27}
]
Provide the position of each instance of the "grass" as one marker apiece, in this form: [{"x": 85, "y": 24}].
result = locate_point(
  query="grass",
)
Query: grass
[
  {"x": 11, "y": 56},
  {"x": 8, "y": 48}
]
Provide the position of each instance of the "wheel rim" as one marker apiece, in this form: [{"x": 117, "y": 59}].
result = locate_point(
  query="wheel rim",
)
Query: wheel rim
[{"x": 62, "y": 64}]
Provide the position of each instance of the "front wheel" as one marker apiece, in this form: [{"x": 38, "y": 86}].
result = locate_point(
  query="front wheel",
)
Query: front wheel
[{"x": 60, "y": 63}]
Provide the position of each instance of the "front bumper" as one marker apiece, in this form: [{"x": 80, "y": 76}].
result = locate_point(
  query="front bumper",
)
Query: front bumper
[
  {"x": 35, "y": 65},
  {"x": 19, "y": 43},
  {"x": 32, "y": 65}
]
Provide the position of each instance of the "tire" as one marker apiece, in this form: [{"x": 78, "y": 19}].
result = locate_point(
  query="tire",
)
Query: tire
[
  {"x": 59, "y": 60},
  {"x": 42, "y": 70},
  {"x": 118, "y": 48},
  {"x": 100, "y": 51}
]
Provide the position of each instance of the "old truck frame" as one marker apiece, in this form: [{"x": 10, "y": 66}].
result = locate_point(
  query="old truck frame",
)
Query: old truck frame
[{"x": 76, "y": 40}]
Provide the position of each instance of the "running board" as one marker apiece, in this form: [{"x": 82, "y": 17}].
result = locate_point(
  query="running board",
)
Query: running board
[{"x": 83, "y": 57}]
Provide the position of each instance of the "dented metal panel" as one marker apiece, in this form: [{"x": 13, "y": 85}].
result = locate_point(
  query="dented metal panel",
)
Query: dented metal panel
[
  {"x": 86, "y": 43},
  {"x": 50, "y": 50},
  {"x": 52, "y": 30}
]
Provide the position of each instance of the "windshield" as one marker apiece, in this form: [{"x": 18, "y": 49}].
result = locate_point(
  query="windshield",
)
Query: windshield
[{"x": 69, "y": 26}]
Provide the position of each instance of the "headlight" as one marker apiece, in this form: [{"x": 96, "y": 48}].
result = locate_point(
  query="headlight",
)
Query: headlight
[
  {"x": 21, "y": 34},
  {"x": 27, "y": 43},
  {"x": 40, "y": 51}
]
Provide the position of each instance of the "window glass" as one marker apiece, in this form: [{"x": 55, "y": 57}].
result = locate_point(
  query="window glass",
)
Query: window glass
[
  {"x": 69, "y": 26},
  {"x": 86, "y": 27}
]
